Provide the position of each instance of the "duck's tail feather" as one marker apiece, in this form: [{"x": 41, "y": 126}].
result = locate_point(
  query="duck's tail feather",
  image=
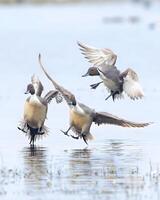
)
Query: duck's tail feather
[{"x": 89, "y": 136}]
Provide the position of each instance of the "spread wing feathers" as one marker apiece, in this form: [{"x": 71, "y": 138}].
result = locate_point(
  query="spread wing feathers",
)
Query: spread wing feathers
[
  {"x": 68, "y": 96},
  {"x": 98, "y": 56},
  {"x": 53, "y": 94},
  {"x": 131, "y": 84},
  {"x": 107, "y": 118},
  {"x": 37, "y": 85}
]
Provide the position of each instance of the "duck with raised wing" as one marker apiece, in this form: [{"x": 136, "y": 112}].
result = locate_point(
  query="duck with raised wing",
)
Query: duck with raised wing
[
  {"x": 35, "y": 110},
  {"x": 116, "y": 82},
  {"x": 82, "y": 117}
]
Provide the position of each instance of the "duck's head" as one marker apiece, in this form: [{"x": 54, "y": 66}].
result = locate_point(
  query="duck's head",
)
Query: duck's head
[
  {"x": 92, "y": 71},
  {"x": 30, "y": 89}
]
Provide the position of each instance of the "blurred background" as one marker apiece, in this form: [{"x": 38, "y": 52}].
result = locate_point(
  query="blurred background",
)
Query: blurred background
[
  {"x": 120, "y": 163},
  {"x": 74, "y": 1}
]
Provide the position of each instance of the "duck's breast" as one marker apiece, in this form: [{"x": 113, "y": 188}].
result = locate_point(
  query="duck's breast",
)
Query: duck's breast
[
  {"x": 79, "y": 120},
  {"x": 110, "y": 77},
  {"x": 111, "y": 85},
  {"x": 35, "y": 113}
]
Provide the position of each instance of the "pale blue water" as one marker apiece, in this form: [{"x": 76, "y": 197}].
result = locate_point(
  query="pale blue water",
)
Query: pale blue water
[{"x": 120, "y": 163}]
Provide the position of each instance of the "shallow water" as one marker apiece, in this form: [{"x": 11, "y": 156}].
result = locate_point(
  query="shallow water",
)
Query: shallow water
[{"x": 120, "y": 163}]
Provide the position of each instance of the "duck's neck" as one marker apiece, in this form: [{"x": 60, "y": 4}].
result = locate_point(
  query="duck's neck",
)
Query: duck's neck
[
  {"x": 78, "y": 109},
  {"x": 34, "y": 99}
]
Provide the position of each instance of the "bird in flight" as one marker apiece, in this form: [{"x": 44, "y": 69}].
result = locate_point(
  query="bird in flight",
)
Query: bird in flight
[
  {"x": 116, "y": 82},
  {"x": 82, "y": 116}
]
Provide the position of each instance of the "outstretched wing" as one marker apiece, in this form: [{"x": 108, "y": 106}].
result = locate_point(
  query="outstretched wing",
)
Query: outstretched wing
[
  {"x": 131, "y": 84},
  {"x": 98, "y": 56},
  {"x": 37, "y": 85},
  {"x": 107, "y": 118},
  {"x": 53, "y": 94},
  {"x": 68, "y": 96}
]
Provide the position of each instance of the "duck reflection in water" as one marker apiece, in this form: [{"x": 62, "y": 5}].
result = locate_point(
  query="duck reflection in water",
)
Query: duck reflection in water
[
  {"x": 36, "y": 171},
  {"x": 80, "y": 162},
  {"x": 105, "y": 169}
]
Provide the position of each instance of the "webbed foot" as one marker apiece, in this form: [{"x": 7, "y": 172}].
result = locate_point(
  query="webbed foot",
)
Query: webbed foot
[
  {"x": 22, "y": 129},
  {"x": 65, "y": 132},
  {"x": 94, "y": 86},
  {"x": 75, "y": 137}
]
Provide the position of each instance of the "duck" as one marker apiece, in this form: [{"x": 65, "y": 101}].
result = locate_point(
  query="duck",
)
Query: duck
[
  {"x": 35, "y": 110},
  {"x": 116, "y": 82},
  {"x": 82, "y": 116}
]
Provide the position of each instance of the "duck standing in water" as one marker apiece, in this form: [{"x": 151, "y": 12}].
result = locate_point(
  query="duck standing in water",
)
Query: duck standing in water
[
  {"x": 116, "y": 82},
  {"x": 35, "y": 110},
  {"x": 82, "y": 117}
]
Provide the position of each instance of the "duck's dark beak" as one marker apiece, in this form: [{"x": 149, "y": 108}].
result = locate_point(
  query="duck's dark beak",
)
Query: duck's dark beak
[
  {"x": 26, "y": 92},
  {"x": 87, "y": 74}
]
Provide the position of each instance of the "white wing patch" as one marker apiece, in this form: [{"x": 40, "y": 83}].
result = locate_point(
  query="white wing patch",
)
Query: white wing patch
[{"x": 132, "y": 88}]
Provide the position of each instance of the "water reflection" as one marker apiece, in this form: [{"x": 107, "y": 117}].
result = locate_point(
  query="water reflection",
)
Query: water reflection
[
  {"x": 35, "y": 167},
  {"x": 107, "y": 170},
  {"x": 80, "y": 161},
  {"x": 112, "y": 169}
]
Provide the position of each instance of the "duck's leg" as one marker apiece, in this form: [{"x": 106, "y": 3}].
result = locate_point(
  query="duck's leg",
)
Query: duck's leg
[
  {"x": 113, "y": 93},
  {"x": 108, "y": 97},
  {"x": 94, "y": 86},
  {"x": 82, "y": 135},
  {"x": 22, "y": 129},
  {"x": 66, "y": 132},
  {"x": 86, "y": 131},
  {"x": 77, "y": 137},
  {"x": 84, "y": 139}
]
